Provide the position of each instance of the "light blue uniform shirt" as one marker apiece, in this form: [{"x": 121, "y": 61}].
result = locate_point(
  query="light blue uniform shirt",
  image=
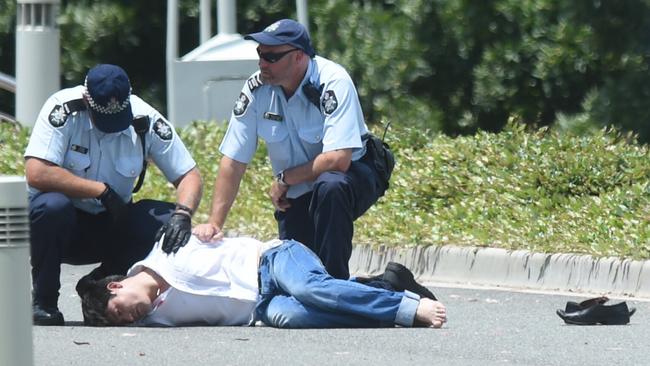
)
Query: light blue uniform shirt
[
  {"x": 296, "y": 130},
  {"x": 113, "y": 158}
]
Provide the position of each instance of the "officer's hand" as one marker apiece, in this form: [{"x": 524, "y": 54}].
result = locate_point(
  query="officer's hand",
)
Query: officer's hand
[
  {"x": 207, "y": 232},
  {"x": 177, "y": 232},
  {"x": 278, "y": 194},
  {"x": 116, "y": 208}
]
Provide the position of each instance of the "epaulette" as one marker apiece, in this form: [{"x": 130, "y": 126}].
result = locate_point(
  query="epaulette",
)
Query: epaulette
[
  {"x": 74, "y": 105},
  {"x": 255, "y": 81}
]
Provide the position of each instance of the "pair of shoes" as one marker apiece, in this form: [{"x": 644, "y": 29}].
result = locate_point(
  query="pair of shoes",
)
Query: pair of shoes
[
  {"x": 401, "y": 278},
  {"x": 43, "y": 315},
  {"x": 572, "y": 306},
  {"x": 594, "y": 311}
]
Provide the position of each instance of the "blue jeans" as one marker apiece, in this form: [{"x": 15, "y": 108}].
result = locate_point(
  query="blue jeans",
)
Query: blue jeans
[{"x": 297, "y": 292}]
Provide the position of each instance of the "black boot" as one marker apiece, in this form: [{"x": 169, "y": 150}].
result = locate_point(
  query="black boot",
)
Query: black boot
[{"x": 46, "y": 315}]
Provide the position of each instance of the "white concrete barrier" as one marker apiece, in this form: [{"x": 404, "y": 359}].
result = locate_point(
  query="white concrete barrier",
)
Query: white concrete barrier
[{"x": 511, "y": 269}]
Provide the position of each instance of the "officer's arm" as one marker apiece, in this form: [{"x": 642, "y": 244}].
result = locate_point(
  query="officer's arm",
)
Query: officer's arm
[
  {"x": 225, "y": 190},
  {"x": 336, "y": 160},
  {"x": 48, "y": 177},
  {"x": 189, "y": 189},
  {"x": 226, "y": 187}
]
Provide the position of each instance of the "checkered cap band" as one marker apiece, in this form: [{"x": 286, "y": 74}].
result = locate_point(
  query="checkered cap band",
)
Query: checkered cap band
[{"x": 112, "y": 107}]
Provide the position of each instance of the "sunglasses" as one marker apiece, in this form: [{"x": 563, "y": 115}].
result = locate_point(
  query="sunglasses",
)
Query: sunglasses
[{"x": 273, "y": 57}]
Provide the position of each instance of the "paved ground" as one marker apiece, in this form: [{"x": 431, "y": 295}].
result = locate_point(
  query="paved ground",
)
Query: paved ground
[{"x": 486, "y": 327}]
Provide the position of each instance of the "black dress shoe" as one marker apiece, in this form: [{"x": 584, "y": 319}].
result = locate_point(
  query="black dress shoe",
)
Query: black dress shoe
[
  {"x": 46, "y": 315},
  {"x": 617, "y": 314},
  {"x": 401, "y": 278},
  {"x": 572, "y": 306}
]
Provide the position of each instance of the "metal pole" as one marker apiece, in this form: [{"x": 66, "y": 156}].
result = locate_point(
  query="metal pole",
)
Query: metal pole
[
  {"x": 7, "y": 82},
  {"x": 205, "y": 21},
  {"x": 38, "y": 69},
  {"x": 171, "y": 54},
  {"x": 303, "y": 13},
  {"x": 15, "y": 305},
  {"x": 226, "y": 17}
]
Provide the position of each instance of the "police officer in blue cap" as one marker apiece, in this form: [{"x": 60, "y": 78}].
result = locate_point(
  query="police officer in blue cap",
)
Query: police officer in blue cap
[
  {"x": 306, "y": 109},
  {"x": 88, "y": 147}
]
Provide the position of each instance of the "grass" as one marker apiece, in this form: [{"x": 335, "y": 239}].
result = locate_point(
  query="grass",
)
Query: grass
[{"x": 538, "y": 190}]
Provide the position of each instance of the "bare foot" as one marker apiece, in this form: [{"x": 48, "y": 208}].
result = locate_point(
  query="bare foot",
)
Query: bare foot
[{"x": 430, "y": 313}]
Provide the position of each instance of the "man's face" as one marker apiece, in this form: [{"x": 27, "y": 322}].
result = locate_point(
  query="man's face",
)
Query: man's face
[
  {"x": 275, "y": 73},
  {"x": 128, "y": 305}
]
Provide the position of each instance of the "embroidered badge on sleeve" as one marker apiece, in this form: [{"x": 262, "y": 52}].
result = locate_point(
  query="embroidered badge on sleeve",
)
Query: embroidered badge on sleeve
[
  {"x": 241, "y": 104},
  {"x": 57, "y": 117},
  {"x": 329, "y": 102},
  {"x": 163, "y": 130}
]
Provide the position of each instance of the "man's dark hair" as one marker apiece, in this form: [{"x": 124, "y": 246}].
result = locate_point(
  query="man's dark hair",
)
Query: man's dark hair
[{"x": 94, "y": 298}]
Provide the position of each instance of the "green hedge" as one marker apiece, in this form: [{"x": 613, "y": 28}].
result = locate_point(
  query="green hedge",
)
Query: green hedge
[{"x": 539, "y": 190}]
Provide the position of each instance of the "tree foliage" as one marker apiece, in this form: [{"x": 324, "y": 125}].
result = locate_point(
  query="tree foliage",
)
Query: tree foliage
[
  {"x": 455, "y": 66},
  {"x": 472, "y": 64}
]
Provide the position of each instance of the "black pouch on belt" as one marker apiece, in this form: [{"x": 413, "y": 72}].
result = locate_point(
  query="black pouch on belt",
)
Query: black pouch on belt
[{"x": 378, "y": 153}]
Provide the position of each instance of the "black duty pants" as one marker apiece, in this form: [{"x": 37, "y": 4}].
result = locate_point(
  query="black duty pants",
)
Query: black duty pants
[{"x": 323, "y": 218}]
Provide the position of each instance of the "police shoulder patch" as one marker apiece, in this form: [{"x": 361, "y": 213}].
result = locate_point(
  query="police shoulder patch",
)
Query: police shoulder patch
[
  {"x": 329, "y": 102},
  {"x": 254, "y": 82},
  {"x": 57, "y": 116},
  {"x": 163, "y": 130},
  {"x": 241, "y": 104}
]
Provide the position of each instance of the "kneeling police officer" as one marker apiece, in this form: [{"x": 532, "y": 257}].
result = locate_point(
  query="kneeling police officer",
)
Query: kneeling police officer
[{"x": 83, "y": 158}]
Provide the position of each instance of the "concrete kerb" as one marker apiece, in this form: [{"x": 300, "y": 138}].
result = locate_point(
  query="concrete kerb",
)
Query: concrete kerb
[{"x": 511, "y": 269}]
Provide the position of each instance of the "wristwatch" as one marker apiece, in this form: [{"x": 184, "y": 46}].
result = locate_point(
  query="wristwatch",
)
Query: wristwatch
[
  {"x": 280, "y": 179},
  {"x": 184, "y": 208}
]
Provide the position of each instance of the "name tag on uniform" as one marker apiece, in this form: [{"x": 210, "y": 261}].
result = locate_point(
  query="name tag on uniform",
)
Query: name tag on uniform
[
  {"x": 79, "y": 149},
  {"x": 273, "y": 116}
]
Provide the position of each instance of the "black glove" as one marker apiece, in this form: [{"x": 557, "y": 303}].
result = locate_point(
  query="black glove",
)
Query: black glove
[
  {"x": 177, "y": 232},
  {"x": 116, "y": 208}
]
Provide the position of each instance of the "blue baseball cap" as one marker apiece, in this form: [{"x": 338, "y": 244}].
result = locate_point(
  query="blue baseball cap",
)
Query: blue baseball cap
[
  {"x": 107, "y": 90},
  {"x": 285, "y": 31}
]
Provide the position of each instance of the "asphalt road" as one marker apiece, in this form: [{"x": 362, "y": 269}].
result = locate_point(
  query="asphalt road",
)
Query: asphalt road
[{"x": 486, "y": 327}]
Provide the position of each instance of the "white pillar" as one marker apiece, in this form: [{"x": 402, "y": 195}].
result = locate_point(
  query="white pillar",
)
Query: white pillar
[
  {"x": 171, "y": 55},
  {"x": 303, "y": 14},
  {"x": 226, "y": 17},
  {"x": 205, "y": 21},
  {"x": 38, "y": 69},
  {"x": 15, "y": 305}
]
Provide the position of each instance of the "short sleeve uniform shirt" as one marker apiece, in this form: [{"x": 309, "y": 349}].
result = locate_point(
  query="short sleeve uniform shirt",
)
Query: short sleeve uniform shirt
[
  {"x": 73, "y": 143},
  {"x": 323, "y": 115}
]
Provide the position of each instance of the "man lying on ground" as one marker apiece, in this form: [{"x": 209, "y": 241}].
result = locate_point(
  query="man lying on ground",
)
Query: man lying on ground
[{"x": 238, "y": 281}]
